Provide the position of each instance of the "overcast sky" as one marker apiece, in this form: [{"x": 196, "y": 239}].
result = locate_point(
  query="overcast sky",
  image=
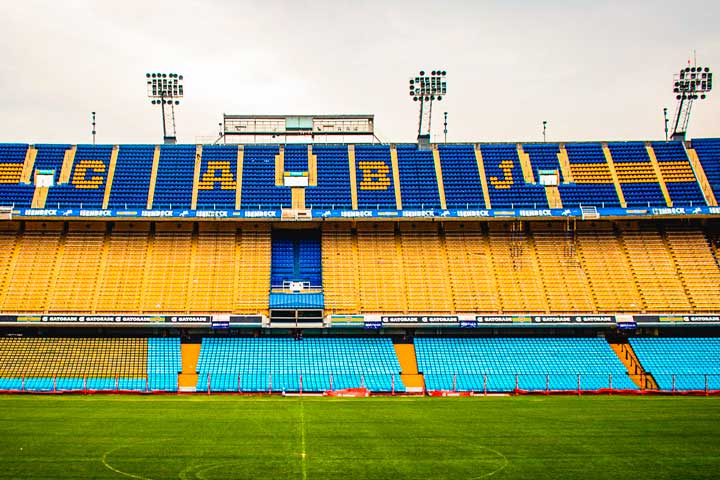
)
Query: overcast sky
[{"x": 594, "y": 70}]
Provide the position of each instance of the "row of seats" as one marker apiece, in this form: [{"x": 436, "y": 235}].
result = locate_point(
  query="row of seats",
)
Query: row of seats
[
  {"x": 587, "y": 164},
  {"x": 281, "y": 364},
  {"x": 504, "y": 364},
  {"x": 493, "y": 364},
  {"x": 473, "y": 267}
]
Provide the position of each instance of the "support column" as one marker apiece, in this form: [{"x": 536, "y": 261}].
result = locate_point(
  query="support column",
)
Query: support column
[
  {"x": 613, "y": 174},
  {"x": 701, "y": 177},
  {"x": 564, "y": 162},
  {"x": 110, "y": 176},
  {"x": 658, "y": 173},
  {"x": 312, "y": 167},
  {"x": 196, "y": 177},
  {"x": 67, "y": 165},
  {"x": 30, "y": 155},
  {"x": 483, "y": 178},
  {"x": 528, "y": 174},
  {"x": 153, "y": 177},
  {"x": 439, "y": 175},
  {"x": 280, "y": 167},
  {"x": 353, "y": 176},
  {"x": 238, "y": 183},
  {"x": 396, "y": 176}
]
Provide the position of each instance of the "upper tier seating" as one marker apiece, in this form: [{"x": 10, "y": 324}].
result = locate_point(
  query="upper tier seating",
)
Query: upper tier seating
[
  {"x": 504, "y": 364},
  {"x": 217, "y": 184},
  {"x": 461, "y": 177},
  {"x": 680, "y": 363},
  {"x": 87, "y": 179},
  {"x": 278, "y": 364},
  {"x": 132, "y": 176},
  {"x": 544, "y": 156},
  {"x": 375, "y": 185},
  {"x": 418, "y": 179},
  {"x": 174, "y": 184},
  {"x": 258, "y": 179},
  {"x": 591, "y": 174},
  {"x": 505, "y": 179},
  {"x": 708, "y": 152},
  {"x": 678, "y": 174},
  {"x": 636, "y": 175},
  {"x": 333, "y": 178},
  {"x": 89, "y": 175}
]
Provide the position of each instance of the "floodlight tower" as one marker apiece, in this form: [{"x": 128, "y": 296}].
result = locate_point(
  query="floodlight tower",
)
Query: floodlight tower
[
  {"x": 690, "y": 84},
  {"x": 166, "y": 89},
  {"x": 425, "y": 89}
]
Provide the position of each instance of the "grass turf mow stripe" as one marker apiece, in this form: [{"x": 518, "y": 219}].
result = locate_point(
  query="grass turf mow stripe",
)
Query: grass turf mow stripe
[{"x": 231, "y": 437}]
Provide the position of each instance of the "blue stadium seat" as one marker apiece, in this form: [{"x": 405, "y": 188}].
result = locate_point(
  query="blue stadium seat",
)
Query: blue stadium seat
[
  {"x": 333, "y": 178},
  {"x": 131, "y": 182},
  {"x": 277, "y": 364},
  {"x": 505, "y": 179},
  {"x": 680, "y": 363},
  {"x": 418, "y": 179},
  {"x": 461, "y": 177},
  {"x": 258, "y": 179},
  {"x": 501, "y": 364}
]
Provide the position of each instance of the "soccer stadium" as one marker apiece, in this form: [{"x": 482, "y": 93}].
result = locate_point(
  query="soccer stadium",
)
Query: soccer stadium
[{"x": 298, "y": 298}]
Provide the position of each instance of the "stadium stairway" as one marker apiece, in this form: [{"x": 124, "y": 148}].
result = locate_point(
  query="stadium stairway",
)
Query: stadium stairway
[
  {"x": 636, "y": 372},
  {"x": 188, "y": 378},
  {"x": 413, "y": 381}
]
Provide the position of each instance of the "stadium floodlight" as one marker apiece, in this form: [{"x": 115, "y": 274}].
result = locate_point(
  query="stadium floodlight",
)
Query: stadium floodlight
[
  {"x": 166, "y": 89},
  {"x": 426, "y": 88},
  {"x": 689, "y": 85}
]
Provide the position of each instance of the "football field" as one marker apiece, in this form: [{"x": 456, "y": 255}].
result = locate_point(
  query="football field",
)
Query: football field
[{"x": 233, "y": 437}]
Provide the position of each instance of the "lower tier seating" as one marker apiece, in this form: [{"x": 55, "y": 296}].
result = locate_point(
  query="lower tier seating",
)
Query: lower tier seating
[
  {"x": 279, "y": 364},
  {"x": 680, "y": 363},
  {"x": 67, "y": 364},
  {"x": 506, "y": 364}
]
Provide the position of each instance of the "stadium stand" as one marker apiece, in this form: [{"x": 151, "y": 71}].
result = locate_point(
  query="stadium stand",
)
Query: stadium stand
[
  {"x": 461, "y": 178},
  {"x": 174, "y": 182},
  {"x": 680, "y": 363},
  {"x": 277, "y": 364},
  {"x": 507, "y": 364},
  {"x": 505, "y": 179},
  {"x": 418, "y": 178},
  {"x": 12, "y": 162},
  {"x": 708, "y": 152},
  {"x": 678, "y": 174},
  {"x": 217, "y": 183},
  {"x": 593, "y": 181},
  {"x": 636, "y": 175},
  {"x": 67, "y": 364},
  {"x": 296, "y": 258},
  {"x": 333, "y": 188},
  {"x": 375, "y": 185},
  {"x": 87, "y": 180},
  {"x": 258, "y": 179},
  {"x": 131, "y": 181}
]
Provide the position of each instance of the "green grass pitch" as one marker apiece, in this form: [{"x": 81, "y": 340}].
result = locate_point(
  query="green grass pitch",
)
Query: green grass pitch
[{"x": 233, "y": 437}]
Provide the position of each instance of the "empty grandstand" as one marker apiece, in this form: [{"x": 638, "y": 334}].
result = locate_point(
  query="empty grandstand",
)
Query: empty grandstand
[{"x": 480, "y": 268}]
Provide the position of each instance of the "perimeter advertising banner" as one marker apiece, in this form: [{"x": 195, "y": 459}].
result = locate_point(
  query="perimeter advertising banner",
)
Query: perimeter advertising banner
[{"x": 121, "y": 319}]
